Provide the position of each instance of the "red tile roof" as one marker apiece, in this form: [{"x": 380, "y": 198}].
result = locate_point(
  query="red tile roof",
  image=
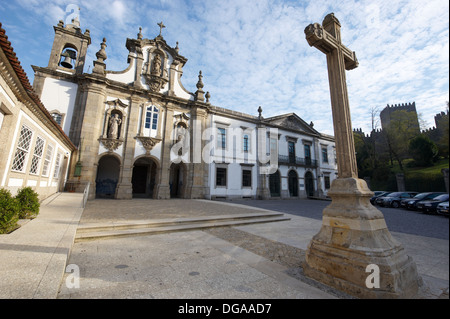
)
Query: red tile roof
[{"x": 15, "y": 64}]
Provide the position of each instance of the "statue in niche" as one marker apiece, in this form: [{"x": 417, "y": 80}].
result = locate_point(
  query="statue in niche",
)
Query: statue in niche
[
  {"x": 114, "y": 123},
  {"x": 156, "y": 67}
]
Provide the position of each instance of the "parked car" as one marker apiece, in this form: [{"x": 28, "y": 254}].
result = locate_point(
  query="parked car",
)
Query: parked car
[
  {"x": 410, "y": 203},
  {"x": 429, "y": 206},
  {"x": 376, "y": 195},
  {"x": 394, "y": 199},
  {"x": 442, "y": 208}
]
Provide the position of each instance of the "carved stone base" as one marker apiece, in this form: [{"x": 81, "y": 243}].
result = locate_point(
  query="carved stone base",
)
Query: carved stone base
[{"x": 354, "y": 235}]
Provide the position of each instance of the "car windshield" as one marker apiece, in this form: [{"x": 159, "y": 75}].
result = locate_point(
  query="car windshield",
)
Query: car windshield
[
  {"x": 441, "y": 197},
  {"x": 396, "y": 194},
  {"x": 421, "y": 195}
]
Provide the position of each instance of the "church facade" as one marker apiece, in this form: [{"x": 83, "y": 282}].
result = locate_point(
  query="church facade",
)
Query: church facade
[{"x": 140, "y": 133}]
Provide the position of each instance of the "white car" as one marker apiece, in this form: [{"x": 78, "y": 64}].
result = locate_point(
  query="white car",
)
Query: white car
[{"x": 442, "y": 208}]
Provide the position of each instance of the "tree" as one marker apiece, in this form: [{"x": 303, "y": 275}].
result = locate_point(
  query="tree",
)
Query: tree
[{"x": 423, "y": 150}]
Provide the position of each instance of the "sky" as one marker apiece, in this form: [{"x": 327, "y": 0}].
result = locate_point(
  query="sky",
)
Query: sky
[{"x": 254, "y": 53}]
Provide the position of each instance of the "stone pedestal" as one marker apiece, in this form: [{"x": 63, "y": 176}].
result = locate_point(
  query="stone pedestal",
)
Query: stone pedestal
[{"x": 353, "y": 236}]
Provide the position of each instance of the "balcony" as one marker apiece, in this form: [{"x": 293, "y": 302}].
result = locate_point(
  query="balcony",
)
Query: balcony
[{"x": 297, "y": 161}]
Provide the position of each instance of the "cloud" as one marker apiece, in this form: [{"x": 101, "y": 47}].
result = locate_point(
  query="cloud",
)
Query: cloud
[{"x": 254, "y": 52}]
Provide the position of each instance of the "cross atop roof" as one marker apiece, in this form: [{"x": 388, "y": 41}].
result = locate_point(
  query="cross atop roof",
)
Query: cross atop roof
[{"x": 161, "y": 26}]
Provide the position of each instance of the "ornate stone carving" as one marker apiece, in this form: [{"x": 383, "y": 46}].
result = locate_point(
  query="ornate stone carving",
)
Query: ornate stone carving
[
  {"x": 111, "y": 143},
  {"x": 148, "y": 142}
]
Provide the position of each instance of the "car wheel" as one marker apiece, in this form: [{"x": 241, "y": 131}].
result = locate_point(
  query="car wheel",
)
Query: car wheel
[{"x": 395, "y": 204}]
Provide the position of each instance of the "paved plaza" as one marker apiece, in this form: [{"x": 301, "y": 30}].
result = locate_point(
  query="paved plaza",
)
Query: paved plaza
[{"x": 257, "y": 261}]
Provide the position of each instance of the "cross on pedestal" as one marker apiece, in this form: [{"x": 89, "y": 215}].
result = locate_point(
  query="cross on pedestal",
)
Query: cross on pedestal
[
  {"x": 354, "y": 236},
  {"x": 327, "y": 38},
  {"x": 161, "y": 26}
]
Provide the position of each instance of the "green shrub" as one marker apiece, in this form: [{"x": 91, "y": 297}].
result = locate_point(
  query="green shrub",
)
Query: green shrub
[
  {"x": 9, "y": 212},
  {"x": 28, "y": 201}
]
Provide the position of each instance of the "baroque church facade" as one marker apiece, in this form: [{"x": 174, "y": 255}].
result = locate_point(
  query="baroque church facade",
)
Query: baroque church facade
[{"x": 140, "y": 133}]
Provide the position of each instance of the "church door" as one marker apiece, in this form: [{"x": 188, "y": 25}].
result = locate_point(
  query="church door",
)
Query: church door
[
  {"x": 293, "y": 184},
  {"x": 274, "y": 184},
  {"x": 309, "y": 184},
  {"x": 107, "y": 177},
  {"x": 176, "y": 180},
  {"x": 143, "y": 179}
]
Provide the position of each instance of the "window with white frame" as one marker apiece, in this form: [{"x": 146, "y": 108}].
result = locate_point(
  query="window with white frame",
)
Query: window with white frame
[
  {"x": 37, "y": 155},
  {"x": 151, "y": 118},
  {"x": 23, "y": 148},
  {"x": 47, "y": 160},
  {"x": 57, "y": 166},
  {"x": 246, "y": 143},
  {"x": 221, "y": 138}
]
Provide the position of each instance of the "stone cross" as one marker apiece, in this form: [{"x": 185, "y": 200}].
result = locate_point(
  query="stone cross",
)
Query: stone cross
[
  {"x": 161, "y": 26},
  {"x": 327, "y": 38}
]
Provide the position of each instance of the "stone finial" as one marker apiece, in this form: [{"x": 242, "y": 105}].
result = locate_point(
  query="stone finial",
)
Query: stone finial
[
  {"x": 101, "y": 54},
  {"x": 199, "y": 95},
  {"x": 200, "y": 83},
  {"x": 259, "y": 111},
  {"x": 177, "y": 48},
  {"x": 99, "y": 64},
  {"x": 61, "y": 24},
  {"x": 208, "y": 96},
  {"x": 161, "y": 26},
  {"x": 139, "y": 35}
]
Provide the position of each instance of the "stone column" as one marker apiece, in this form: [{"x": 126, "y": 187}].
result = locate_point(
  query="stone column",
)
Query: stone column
[
  {"x": 124, "y": 188},
  {"x": 197, "y": 169},
  {"x": 91, "y": 130},
  {"x": 400, "y": 177},
  {"x": 445, "y": 173},
  {"x": 163, "y": 188}
]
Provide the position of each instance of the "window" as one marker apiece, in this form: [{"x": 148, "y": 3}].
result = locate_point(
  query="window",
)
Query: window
[
  {"x": 246, "y": 178},
  {"x": 151, "y": 118},
  {"x": 57, "y": 166},
  {"x": 307, "y": 154},
  {"x": 246, "y": 145},
  {"x": 36, "y": 160},
  {"x": 47, "y": 160},
  {"x": 291, "y": 152},
  {"x": 57, "y": 117},
  {"x": 324, "y": 155},
  {"x": 221, "y": 138},
  {"x": 327, "y": 182},
  {"x": 23, "y": 148},
  {"x": 221, "y": 176}
]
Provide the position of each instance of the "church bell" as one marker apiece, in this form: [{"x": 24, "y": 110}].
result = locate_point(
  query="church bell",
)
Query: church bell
[{"x": 67, "y": 62}]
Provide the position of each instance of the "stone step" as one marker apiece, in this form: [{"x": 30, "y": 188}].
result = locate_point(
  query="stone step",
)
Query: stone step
[{"x": 86, "y": 233}]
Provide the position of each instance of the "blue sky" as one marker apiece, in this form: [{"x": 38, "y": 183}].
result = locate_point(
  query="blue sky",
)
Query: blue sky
[{"x": 254, "y": 53}]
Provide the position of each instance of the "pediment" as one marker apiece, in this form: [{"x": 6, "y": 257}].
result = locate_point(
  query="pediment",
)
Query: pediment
[{"x": 292, "y": 122}]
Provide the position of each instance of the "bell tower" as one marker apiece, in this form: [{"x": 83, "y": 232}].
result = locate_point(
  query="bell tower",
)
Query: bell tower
[{"x": 69, "y": 47}]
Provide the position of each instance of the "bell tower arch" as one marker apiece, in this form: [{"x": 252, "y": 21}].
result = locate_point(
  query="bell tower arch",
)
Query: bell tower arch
[{"x": 69, "y": 47}]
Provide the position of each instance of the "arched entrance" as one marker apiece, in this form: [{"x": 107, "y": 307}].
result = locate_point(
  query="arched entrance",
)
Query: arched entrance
[
  {"x": 309, "y": 184},
  {"x": 177, "y": 180},
  {"x": 107, "y": 177},
  {"x": 274, "y": 184},
  {"x": 293, "y": 183},
  {"x": 144, "y": 177}
]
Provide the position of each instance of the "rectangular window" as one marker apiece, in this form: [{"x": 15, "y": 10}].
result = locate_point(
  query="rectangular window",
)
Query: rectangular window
[
  {"x": 57, "y": 166},
  {"x": 36, "y": 160},
  {"x": 47, "y": 160},
  {"x": 246, "y": 178},
  {"x": 291, "y": 152},
  {"x": 324, "y": 155},
  {"x": 221, "y": 176},
  {"x": 155, "y": 121},
  {"x": 148, "y": 117},
  {"x": 307, "y": 154},
  {"x": 246, "y": 147},
  {"x": 23, "y": 147},
  {"x": 221, "y": 138},
  {"x": 327, "y": 182}
]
